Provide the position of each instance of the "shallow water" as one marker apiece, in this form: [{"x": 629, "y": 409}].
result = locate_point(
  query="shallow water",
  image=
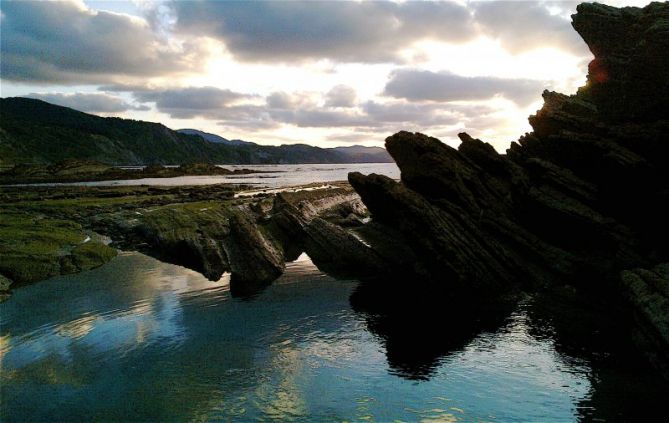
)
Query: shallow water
[
  {"x": 138, "y": 339},
  {"x": 271, "y": 175}
]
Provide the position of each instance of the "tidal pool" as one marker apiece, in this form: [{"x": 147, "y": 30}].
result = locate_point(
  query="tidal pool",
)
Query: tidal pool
[{"x": 141, "y": 340}]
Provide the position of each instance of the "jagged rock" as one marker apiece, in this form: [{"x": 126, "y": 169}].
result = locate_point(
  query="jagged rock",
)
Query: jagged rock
[
  {"x": 449, "y": 244},
  {"x": 250, "y": 239},
  {"x": 339, "y": 252},
  {"x": 572, "y": 199},
  {"x": 576, "y": 201},
  {"x": 252, "y": 256},
  {"x": 332, "y": 248},
  {"x": 628, "y": 79},
  {"x": 648, "y": 290}
]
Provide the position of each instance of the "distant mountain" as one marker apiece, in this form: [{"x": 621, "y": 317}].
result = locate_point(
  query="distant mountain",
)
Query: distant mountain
[
  {"x": 361, "y": 154},
  {"x": 213, "y": 137},
  {"x": 206, "y": 135},
  {"x": 34, "y": 131},
  {"x": 355, "y": 153}
]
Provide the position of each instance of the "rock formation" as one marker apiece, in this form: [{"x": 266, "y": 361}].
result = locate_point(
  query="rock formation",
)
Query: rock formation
[
  {"x": 648, "y": 292},
  {"x": 251, "y": 238},
  {"x": 575, "y": 202}
]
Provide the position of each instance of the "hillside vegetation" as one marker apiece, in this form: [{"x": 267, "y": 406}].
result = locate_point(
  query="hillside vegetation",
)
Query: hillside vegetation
[{"x": 34, "y": 131}]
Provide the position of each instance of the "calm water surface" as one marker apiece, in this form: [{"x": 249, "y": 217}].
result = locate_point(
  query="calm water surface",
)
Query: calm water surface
[
  {"x": 138, "y": 339},
  {"x": 269, "y": 175}
]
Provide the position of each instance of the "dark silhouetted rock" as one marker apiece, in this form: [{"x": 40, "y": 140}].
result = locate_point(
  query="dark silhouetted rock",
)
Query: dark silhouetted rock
[
  {"x": 582, "y": 197},
  {"x": 648, "y": 290},
  {"x": 627, "y": 81}
]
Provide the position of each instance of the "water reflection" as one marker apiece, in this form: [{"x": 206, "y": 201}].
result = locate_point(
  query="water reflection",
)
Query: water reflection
[
  {"x": 605, "y": 342},
  {"x": 142, "y": 340},
  {"x": 418, "y": 331}
]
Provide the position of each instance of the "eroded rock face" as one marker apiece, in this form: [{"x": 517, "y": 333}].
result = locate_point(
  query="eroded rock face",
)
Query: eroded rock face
[
  {"x": 300, "y": 224},
  {"x": 252, "y": 256},
  {"x": 648, "y": 291},
  {"x": 251, "y": 239},
  {"x": 582, "y": 197},
  {"x": 627, "y": 80}
]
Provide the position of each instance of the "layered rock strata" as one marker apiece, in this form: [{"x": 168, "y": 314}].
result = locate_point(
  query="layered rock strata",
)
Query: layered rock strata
[
  {"x": 251, "y": 239},
  {"x": 578, "y": 200}
]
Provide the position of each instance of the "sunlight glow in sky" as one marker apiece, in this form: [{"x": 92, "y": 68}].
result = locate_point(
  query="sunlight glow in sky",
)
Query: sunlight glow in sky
[{"x": 323, "y": 73}]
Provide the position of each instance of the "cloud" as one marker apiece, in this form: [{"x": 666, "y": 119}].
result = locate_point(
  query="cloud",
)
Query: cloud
[
  {"x": 371, "y": 31},
  {"x": 421, "y": 85},
  {"x": 367, "y": 115},
  {"x": 320, "y": 118},
  {"x": 416, "y": 114},
  {"x": 303, "y": 30},
  {"x": 283, "y": 100},
  {"x": 247, "y": 116},
  {"x": 355, "y": 137},
  {"x": 300, "y": 109},
  {"x": 340, "y": 96},
  {"x": 65, "y": 42},
  {"x": 528, "y": 26},
  {"x": 89, "y": 102},
  {"x": 189, "y": 102}
]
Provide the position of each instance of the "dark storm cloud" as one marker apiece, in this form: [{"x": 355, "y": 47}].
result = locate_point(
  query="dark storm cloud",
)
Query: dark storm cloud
[
  {"x": 420, "y": 85},
  {"x": 64, "y": 42},
  {"x": 191, "y": 101},
  {"x": 343, "y": 31},
  {"x": 89, "y": 102}
]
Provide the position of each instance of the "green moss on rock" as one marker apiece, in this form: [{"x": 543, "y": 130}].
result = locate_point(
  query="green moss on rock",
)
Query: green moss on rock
[
  {"x": 92, "y": 254},
  {"x": 33, "y": 247},
  {"x": 5, "y": 283}
]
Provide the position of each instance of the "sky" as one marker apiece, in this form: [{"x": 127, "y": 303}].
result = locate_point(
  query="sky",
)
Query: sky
[{"x": 325, "y": 73}]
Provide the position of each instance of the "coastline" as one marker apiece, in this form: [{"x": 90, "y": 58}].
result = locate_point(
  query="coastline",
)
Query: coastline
[{"x": 175, "y": 224}]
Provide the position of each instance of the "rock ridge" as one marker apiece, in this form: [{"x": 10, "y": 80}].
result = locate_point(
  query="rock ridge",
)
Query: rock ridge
[{"x": 575, "y": 202}]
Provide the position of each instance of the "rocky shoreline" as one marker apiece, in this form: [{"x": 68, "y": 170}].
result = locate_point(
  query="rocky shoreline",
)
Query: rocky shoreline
[
  {"x": 205, "y": 228},
  {"x": 579, "y": 205},
  {"x": 75, "y": 170}
]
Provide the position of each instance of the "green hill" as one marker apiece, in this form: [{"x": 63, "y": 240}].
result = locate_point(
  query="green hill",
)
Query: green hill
[{"x": 34, "y": 131}]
